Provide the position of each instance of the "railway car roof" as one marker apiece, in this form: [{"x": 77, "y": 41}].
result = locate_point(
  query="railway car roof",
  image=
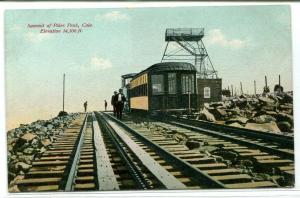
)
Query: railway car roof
[
  {"x": 168, "y": 66},
  {"x": 171, "y": 66},
  {"x": 130, "y": 75}
]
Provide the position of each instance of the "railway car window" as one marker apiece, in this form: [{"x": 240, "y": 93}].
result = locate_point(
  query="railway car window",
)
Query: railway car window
[
  {"x": 145, "y": 89},
  {"x": 133, "y": 94},
  {"x": 187, "y": 83},
  {"x": 142, "y": 90},
  {"x": 172, "y": 83},
  {"x": 157, "y": 84},
  {"x": 206, "y": 92},
  {"x": 139, "y": 90}
]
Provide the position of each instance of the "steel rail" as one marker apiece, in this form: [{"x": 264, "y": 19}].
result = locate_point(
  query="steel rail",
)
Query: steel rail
[
  {"x": 164, "y": 177},
  {"x": 70, "y": 173},
  {"x": 287, "y": 141},
  {"x": 106, "y": 179},
  {"x": 248, "y": 143},
  {"x": 138, "y": 175},
  {"x": 186, "y": 167}
]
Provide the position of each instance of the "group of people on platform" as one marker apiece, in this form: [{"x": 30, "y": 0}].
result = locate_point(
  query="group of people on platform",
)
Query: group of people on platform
[{"x": 117, "y": 101}]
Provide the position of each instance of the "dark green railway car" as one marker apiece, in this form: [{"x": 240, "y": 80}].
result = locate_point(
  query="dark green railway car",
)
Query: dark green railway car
[{"x": 164, "y": 86}]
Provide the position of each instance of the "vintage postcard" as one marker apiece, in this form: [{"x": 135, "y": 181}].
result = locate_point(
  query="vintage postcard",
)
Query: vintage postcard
[{"x": 162, "y": 98}]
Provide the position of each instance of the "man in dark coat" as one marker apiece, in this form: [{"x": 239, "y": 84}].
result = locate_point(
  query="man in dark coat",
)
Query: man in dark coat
[
  {"x": 85, "y": 106},
  {"x": 120, "y": 99},
  {"x": 113, "y": 102},
  {"x": 105, "y": 105}
]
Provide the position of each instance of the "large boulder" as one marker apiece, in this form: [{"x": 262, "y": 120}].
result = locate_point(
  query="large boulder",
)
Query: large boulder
[
  {"x": 227, "y": 154},
  {"x": 35, "y": 143},
  {"x": 219, "y": 114},
  {"x": 16, "y": 179},
  {"x": 207, "y": 148},
  {"x": 42, "y": 150},
  {"x": 37, "y": 126},
  {"x": 242, "y": 103},
  {"x": 285, "y": 98},
  {"x": 254, "y": 104},
  {"x": 206, "y": 115},
  {"x": 20, "y": 145},
  {"x": 283, "y": 117},
  {"x": 263, "y": 119},
  {"x": 46, "y": 142},
  {"x": 266, "y": 127},
  {"x": 268, "y": 108},
  {"x": 28, "y": 137},
  {"x": 274, "y": 98},
  {"x": 234, "y": 111},
  {"x": 28, "y": 150},
  {"x": 238, "y": 119},
  {"x": 191, "y": 144},
  {"x": 284, "y": 126},
  {"x": 271, "y": 113},
  {"x": 26, "y": 158},
  {"x": 235, "y": 124},
  {"x": 286, "y": 106},
  {"x": 266, "y": 101},
  {"x": 207, "y": 106},
  {"x": 50, "y": 127},
  {"x": 229, "y": 104},
  {"x": 249, "y": 113},
  {"x": 44, "y": 130},
  {"x": 13, "y": 189},
  {"x": 22, "y": 166},
  {"x": 180, "y": 137},
  {"x": 216, "y": 104}
]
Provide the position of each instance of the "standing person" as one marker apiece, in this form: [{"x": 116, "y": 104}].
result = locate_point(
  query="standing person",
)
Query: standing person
[
  {"x": 85, "y": 106},
  {"x": 105, "y": 105},
  {"x": 120, "y": 99},
  {"x": 113, "y": 102}
]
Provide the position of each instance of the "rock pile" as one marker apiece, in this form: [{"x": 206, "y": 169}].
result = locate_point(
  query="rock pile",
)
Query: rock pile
[
  {"x": 29, "y": 141},
  {"x": 270, "y": 113}
]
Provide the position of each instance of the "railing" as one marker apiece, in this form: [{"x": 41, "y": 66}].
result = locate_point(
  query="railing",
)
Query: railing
[{"x": 185, "y": 32}]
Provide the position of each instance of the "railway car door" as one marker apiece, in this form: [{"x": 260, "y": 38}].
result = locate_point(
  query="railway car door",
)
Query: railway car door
[
  {"x": 187, "y": 90},
  {"x": 158, "y": 91},
  {"x": 172, "y": 98}
]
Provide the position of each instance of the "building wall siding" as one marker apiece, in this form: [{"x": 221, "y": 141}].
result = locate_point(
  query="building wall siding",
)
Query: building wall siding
[{"x": 215, "y": 86}]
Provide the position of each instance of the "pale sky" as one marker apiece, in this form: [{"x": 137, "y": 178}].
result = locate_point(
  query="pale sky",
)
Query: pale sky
[{"x": 245, "y": 43}]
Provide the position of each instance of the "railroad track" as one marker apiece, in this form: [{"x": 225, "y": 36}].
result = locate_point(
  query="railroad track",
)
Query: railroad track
[
  {"x": 159, "y": 165},
  {"x": 98, "y": 152},
  {"x": 279, "y": 140},
  {"x": 56, "y": 169},
  {"x": 272, "y": 143},
  {"x": 260, "y": 155}
]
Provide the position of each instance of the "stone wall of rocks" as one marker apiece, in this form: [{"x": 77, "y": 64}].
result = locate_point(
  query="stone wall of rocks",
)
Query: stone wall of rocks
[
  {"x": 270, "y": 113},
  {"x": 29, "y": 141}
]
